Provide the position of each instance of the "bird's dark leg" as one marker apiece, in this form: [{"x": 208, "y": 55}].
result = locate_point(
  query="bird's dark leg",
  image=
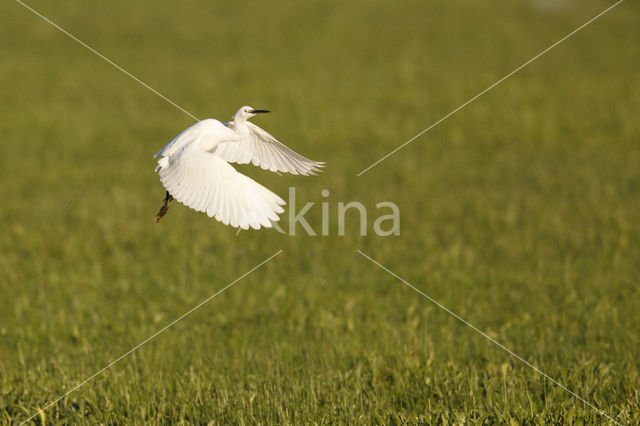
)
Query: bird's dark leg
[{"x": 165, "y": 207}]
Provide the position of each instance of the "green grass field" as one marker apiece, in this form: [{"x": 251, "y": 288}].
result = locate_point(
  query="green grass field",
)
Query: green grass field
[{"x": 521, "y": 213}]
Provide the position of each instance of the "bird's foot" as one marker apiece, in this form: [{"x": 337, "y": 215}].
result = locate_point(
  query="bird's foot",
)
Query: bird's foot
[{"x": 165, "y": 207}]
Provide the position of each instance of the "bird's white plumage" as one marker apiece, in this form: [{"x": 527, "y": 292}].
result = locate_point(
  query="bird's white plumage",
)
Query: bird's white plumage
[
  {"x": 207, "y": 183},
  {"x": 193, "y": 168},
  {"x": 206, "y": 132},
  {"x": 262, "y": 149}
]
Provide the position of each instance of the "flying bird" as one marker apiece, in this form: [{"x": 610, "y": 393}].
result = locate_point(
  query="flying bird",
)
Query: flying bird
[{"x": 194, "y": 169}]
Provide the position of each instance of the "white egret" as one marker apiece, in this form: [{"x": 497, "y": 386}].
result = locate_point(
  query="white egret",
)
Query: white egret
[{"x": 194, "y": 169}]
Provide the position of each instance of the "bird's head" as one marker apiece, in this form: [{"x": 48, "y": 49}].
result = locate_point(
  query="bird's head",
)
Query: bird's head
[{"x": 246, "y": 112}]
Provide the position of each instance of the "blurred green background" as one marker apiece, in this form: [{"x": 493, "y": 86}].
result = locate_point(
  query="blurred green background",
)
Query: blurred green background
[{"x": 520, "y": 213}]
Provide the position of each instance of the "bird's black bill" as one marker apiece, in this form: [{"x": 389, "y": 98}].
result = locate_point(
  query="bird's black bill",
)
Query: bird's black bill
[{"x": 259, "y": 111}]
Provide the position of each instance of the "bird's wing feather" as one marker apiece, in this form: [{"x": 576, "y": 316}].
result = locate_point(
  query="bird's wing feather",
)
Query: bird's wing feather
[
  {"x": 262, "y": 149},
  {"x": 186, "y": 136},
  {"x": 207, "y": 183}
]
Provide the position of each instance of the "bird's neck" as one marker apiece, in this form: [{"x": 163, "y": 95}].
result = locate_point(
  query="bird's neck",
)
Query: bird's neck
[{"x": 240, "y": 127}]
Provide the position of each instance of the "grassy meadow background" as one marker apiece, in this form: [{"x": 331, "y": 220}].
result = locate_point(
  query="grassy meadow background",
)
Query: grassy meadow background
[{"x": 521, "y": 213}]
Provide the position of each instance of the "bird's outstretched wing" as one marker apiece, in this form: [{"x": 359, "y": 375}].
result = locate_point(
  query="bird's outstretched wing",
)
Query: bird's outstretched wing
[
  {"x": 185, "y": 137},
  {"x": 262, "y": 149},
  {"x": 207, "y": 183}
]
